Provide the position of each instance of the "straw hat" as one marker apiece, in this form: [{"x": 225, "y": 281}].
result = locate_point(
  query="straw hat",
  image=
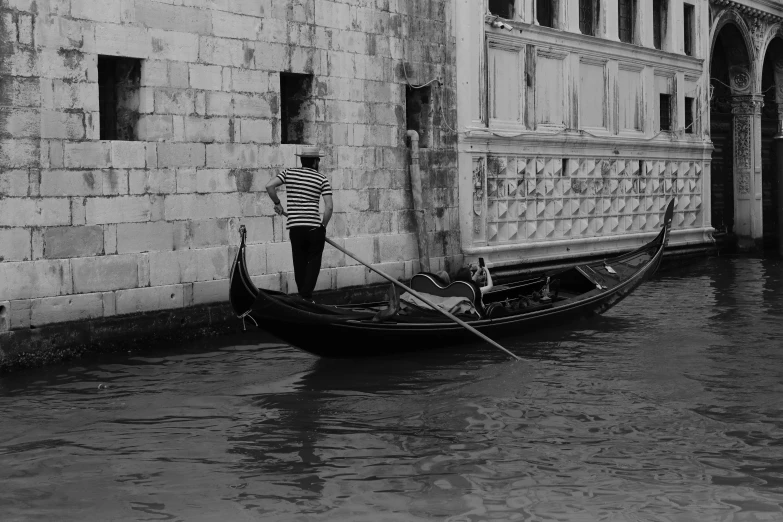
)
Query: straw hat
[{"x": 310, "y": 151}]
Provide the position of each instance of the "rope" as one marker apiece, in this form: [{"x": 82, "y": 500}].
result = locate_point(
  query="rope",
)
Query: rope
[{"x": 247, "y": 314}]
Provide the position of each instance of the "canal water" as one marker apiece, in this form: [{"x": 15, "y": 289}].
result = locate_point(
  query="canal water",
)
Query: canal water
[{"x": 668, "y": 408}]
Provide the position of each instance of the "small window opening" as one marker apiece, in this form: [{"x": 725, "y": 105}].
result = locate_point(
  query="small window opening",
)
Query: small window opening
[
  {"x": 659, "y": 22},
  {"x": 688, "y": 18},
  {"x": 665, "y": 112},
  {"x": 502, "y": 8},
  {"x": 119, "y": 80},
  {"x": 588, "y": 17},
  {"x": 545, "y": 13},
  {"x": 690, "y": 110},
  {"x": 418, "y": 113},
  {"x": 627, "y": 20},
  {"x": 564, "y": 171},
  {"x": 297, "y": 110}
]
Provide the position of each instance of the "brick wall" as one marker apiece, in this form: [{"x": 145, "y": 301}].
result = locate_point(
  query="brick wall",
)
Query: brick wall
[{"x": 92, "y": 228}]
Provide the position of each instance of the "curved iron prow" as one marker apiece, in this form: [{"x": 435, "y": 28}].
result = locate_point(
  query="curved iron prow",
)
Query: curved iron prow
[
  {"x": 668, "y": 218},
  {"x": 242, "y": 292}
]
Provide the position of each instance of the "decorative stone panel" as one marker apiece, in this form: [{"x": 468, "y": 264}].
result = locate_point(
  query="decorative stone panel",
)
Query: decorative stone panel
[{"x": 537, "y": 198}]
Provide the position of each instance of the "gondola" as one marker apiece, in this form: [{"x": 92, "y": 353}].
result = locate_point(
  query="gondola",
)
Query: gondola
[{"x": 517, "y": 307}]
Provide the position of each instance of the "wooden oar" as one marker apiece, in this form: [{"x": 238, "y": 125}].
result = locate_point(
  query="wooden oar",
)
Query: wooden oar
[{"x": 424, "y": 299}]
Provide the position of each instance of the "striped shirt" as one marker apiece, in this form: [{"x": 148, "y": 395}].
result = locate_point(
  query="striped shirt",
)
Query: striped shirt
[{"x": 304, "y": 188}]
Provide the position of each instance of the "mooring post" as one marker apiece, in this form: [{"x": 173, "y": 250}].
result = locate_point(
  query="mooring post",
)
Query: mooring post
[{"x": 418, "y": 204}]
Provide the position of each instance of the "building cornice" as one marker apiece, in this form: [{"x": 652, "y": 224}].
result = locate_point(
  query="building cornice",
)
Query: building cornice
[{"x": 771, "y": 10}]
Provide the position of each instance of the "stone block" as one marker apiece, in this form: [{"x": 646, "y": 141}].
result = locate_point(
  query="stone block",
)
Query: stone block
[
  {"x": 252, "y": 105},
  {"x": 152, "y": 236},
  {"x": 230, "y": 25},
  {"x": 66, "y": 242},
  {"x": 155, "y": 73},
  {"x": 174, "y": 17},
  {"x": 255, "y": 255},
  {"x": 123, "y": 40},
  {"x": 152, "y": 181},
  {"x": 181, "y": 155},
  {"x": 31, "y": 279},
  {"x": 398, "y": 247},
  {"x": 179, "y": 75},
  {"x": 29, "y": 212},
  {"x": 249, "y": 80},
  {"x": 109, "y": 239},
  {"x": 19, "y": 153},
  {"x": 259, "y": 229},
  {"x": 187, "y": 266},
  {"x": 149, "y": 299},
  {"x": 186, "y": 180},
  {"x": 87, "y": 154},
  {"x": 232, "y": 155},
  {"x": 15, "y": 244},
  {"x": 205, "y": 292},
  {"x": 258, "y": 204},
  {"x": 215, "y": 180},
  {"x": 122, "y": 209},
  {"x": 115, "y": 182},
  {"x": 155, "y": 127},
  {"x": 348, "y": 276},
  {"x": 97, "y": 10},
  {"x": 128, "y": 154},
  {"x": 66, "y": 308},
  {"x": 14, "y": 183},
  {"x": 363, "y": 247},
  {"x": 78, "y": 211},
  {"x": 206, "y": 77},
  {"x": 201, "y": 206},
  {"x": 175, "y": 101},
  {"x": 20, "y": 123},
  {"x": 219, "y": 103},
  {"x": 226, "y": 52},
  {"x": 208, "y": 233},
  {"x": 256, "y": 131},
  {"x": 109, "y": 304},
  {"x": 171, "y": 45},
  {"x": 20, "y": 314},
  {"x": 206, "y": 130},
  {"x": 278, "y": 257},
  {"x": 100, "y": 274},
  {"x": 71, "y": 183}
]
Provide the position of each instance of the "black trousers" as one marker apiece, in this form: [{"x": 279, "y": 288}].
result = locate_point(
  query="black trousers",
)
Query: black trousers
[{"x": 307, "y": 247}]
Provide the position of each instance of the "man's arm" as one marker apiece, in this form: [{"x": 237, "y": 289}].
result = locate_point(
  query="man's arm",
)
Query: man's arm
[
  {"x": 271, "y": 189},
  {"x": 328, "y": 209},
  {"x": 488, "y": 286}
]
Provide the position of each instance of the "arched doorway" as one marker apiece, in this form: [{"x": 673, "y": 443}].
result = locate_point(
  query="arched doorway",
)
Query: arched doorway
[
  {"x": 721, "y": 132},
  {"x": 735, "y": 131},
  {"x": 771, "y": 84}
]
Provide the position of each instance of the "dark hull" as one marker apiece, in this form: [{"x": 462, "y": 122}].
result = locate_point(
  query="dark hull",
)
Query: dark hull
[{"x": 331, "y": 332}]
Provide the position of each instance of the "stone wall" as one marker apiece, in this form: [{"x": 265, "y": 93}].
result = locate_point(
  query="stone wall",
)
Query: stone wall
[{"x": 94, "y": 228}]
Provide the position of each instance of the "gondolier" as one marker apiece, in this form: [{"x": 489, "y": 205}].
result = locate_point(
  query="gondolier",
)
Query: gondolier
[{"x": 305, "y": 187}]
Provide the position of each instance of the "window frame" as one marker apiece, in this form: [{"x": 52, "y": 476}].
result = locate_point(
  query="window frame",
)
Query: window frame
[{"x": 688, "y": 28}]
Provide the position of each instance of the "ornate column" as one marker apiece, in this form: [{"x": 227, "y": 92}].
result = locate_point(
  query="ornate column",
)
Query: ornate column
[
  {"x": 747, "y": 167},
  {"x": 778, "y": 144}
]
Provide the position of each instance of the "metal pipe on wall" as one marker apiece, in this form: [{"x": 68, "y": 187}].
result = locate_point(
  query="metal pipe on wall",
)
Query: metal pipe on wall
[{"x": 418, "y": 204}]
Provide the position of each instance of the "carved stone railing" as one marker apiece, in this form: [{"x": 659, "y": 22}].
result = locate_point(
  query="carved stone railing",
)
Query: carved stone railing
[{"x": 522, "y": 199}]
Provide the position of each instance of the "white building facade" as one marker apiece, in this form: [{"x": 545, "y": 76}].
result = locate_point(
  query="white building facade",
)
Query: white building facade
[{"x": 581, "y": 119}]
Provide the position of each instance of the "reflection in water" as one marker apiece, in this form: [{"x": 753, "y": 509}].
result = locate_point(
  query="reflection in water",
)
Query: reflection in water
[{"x": 667, "y": 408}]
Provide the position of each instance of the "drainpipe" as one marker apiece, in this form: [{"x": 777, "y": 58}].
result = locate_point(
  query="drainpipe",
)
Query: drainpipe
[{"x": 418, "y": 204}]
